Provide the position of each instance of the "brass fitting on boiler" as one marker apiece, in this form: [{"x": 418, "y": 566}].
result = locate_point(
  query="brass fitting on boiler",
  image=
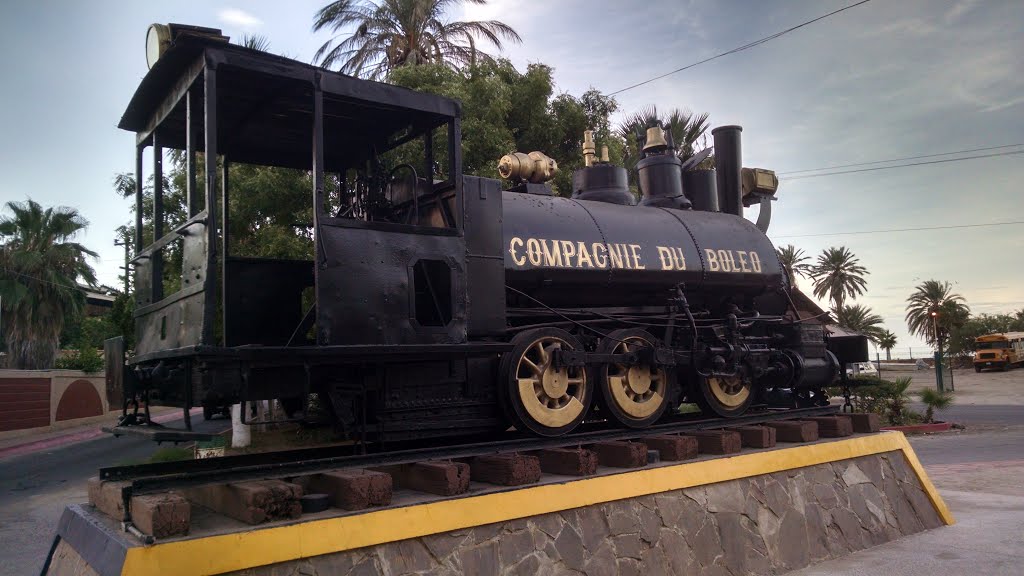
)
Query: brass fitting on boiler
[
  {"x": 535, "y": 167},
  {"x": 589, "y": 148}
]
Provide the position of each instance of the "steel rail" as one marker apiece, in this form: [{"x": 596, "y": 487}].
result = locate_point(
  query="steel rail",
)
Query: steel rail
[{"x": 149, "y": 478}]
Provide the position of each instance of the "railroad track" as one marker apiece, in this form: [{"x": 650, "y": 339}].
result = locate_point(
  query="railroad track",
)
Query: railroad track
[
  {"x": 153, "y": 501},
  {"x": 158, "y": 477}
]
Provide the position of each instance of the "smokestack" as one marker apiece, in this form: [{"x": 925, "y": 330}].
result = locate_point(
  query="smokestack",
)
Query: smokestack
[{"x": 728, "y": 163}]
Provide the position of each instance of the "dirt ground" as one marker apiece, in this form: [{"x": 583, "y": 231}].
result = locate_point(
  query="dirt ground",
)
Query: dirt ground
[{"x": 984, "y": 388}]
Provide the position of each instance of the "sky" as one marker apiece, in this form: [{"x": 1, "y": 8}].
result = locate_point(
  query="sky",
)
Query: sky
[{"x": 880, "y": 81}]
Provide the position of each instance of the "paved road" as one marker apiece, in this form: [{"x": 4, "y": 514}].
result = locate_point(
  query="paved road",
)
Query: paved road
[
  {"x": 979, "y": 414},
  {"x": 34, "y": 488}
]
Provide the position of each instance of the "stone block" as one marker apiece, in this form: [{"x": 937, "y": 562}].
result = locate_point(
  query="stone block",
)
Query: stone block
[
  {"x": 107, "y": 497},
  {"x": 352, "y": 489},
  {"x": 795, "y": 430},
  {"x": 717, "y": 441},
  {"x": 621, "y": 454},
  {"x": 250, "y": 502},
  {"x": 505, "y": 469},
  {"x": 864, "y": 423},
  {"x": 834, "y": 426},
  {"x": 756, "y": 436},
  {"x": 161, "y": 515},
  {"x": 673, "y": 448},
  {"x": 568, "y": 461}
]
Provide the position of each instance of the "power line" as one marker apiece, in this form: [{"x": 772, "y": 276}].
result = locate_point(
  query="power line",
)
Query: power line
[
  {"x": 905, "y": 165},
  {"x": 741, "y": 48},
  {"x": 919, "y": 229},
  {"x": 898, "y": 159}
]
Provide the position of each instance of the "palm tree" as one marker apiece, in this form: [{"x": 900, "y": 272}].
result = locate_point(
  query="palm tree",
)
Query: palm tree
[
  {"x": 935, "y": 296},
  {"x": 887, "y": 341},
  {"x": 793, "y": 262},
  {"x": 687, "y": 130},
  {"x": 38, "y": 285},
  {"x": 837, "y": 276},
  {"x": 381, "y": 35},
  {"x": 860, "y": 319}
]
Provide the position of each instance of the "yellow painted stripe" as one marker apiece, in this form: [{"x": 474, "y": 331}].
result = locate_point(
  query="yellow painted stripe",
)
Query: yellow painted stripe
[
  {"x": 926, "y": 482},
  {"x": 228, "y": 552}
]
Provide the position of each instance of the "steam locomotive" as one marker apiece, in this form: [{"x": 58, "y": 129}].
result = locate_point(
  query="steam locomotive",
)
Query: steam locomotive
[{"x": 442, "y": 304}]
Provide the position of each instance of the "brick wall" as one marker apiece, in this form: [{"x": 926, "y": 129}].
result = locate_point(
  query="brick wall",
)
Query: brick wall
[{"x": 39, "y": 398}]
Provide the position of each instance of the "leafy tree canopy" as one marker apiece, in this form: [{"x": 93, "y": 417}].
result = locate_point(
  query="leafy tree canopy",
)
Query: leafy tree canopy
[{"x": 505, "y": 110}]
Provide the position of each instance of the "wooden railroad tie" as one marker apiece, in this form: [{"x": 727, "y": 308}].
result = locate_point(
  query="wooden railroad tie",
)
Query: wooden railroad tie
[
  {"x": 567, "y": 461},
  {"x": 865, "y": 423},
  {"x": 795, "y": 430},
  {"x": 352, "y": 489},
  {"x": 505, "y": 469},
  {"x": 834, "y": 426},
  {"x": 440, "y": 477},
  {"x": 673, "y": 448},
  {"x": 621, "y": 454},
  {"x": 756, "y": 436},
  {"x": 251, "y": 502},
  {"x": 718, "y": 441}
]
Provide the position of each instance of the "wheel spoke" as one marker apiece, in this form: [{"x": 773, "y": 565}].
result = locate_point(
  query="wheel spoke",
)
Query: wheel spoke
[{"x": 532, "y": 366}]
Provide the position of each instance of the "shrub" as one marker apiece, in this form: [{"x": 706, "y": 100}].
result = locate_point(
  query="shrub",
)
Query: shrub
[
  {"x": 934, "y": 400},
  {"x": 86, "y": 359}
]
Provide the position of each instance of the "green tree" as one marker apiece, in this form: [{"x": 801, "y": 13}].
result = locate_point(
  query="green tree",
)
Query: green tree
[
  {"x": 794, "y": 262},
  {"x": 504, "y": 110},
  {"x": 838, "y": 275},
  {"x": 38, "y": 288},
  {"x": 887, "y": 341},
  {"x": 935, "y": 296},
  {"x": 860, "y": 319},
  {"x": 373, "y": 38},
  {"x": 962, "y": 338}
]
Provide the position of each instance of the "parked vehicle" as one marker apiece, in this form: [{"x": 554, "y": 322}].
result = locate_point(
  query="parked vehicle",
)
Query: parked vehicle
[{"x": 1002, "y": 351}]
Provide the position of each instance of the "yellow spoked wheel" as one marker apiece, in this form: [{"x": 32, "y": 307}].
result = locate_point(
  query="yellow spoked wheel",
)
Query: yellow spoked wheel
[
  {"x": 725, "y": 395},
  {"x": 539, "y": 397},
  {"x": 633, "y": 394}
]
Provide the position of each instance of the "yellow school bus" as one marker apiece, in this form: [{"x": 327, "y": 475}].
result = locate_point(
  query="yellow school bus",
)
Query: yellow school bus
[{"x": 999, "y": 351}]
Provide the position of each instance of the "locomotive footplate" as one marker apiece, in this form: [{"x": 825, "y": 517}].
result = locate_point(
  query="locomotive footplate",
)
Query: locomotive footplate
[{"x": 282, "y": 355}]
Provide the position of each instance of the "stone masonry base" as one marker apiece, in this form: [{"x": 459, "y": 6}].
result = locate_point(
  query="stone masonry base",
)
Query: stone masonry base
[{"x": 764, "y": 524}]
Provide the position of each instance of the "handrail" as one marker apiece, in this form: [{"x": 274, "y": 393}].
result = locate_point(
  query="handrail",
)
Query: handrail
[{"x": 173, "y": 235}]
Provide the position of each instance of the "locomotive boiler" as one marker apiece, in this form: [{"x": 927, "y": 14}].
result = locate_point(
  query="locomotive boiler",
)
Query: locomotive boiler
[{"x": 437, "y": 303}]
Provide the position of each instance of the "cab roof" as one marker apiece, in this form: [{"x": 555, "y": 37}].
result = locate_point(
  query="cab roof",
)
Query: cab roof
[{"x": 265, "y": 107}]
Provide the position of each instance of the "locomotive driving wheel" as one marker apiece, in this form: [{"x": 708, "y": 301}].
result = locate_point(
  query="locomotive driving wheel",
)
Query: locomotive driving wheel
[
  {"x": 633, "y": 394},
  {"x": 725, "y": 396},
  {"x": 540, "y": 397}
]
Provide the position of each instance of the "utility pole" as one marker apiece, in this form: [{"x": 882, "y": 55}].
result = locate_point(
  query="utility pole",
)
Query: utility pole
[{"x": 127, "y": 259}]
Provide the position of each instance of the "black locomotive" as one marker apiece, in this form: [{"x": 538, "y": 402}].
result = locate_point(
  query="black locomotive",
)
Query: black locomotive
[{"x": 440, "y": 303}]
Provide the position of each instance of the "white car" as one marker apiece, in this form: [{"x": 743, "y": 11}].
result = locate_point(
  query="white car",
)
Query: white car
[{"x": 864, "y": 368}]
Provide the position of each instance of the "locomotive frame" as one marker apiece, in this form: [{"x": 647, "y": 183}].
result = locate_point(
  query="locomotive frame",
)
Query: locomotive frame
[{"x": 418, "y": 327}]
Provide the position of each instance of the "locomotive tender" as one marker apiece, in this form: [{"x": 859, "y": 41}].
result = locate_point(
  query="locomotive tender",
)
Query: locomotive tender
[{"x": 437, "y": 303}]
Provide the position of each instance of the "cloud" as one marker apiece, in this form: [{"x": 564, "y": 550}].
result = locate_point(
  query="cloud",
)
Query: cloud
[{"x": 239, "y": 18}]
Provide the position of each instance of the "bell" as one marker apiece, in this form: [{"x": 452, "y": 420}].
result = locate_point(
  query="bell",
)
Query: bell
[{"x": 655, "y": 139}]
